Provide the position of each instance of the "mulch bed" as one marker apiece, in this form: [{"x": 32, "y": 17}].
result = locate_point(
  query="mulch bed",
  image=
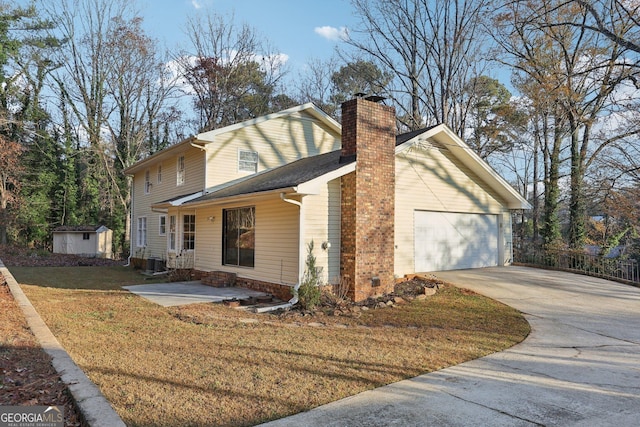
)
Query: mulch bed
[{"x": 27, "y": 377}]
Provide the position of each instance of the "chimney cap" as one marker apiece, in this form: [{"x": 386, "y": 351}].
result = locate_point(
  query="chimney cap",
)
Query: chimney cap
[{"x": 372, "y": 98}]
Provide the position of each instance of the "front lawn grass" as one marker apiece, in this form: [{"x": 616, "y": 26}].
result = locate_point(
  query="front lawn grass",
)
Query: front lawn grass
[{"x": 206, "y": 364}]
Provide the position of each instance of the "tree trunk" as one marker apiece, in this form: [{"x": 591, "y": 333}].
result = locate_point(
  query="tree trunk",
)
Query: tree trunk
[
  {"x": 551, "y": 223},
  {"x": 577, "y": 226}
]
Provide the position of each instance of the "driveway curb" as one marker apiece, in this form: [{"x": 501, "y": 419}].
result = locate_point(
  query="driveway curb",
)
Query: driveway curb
[{"x": 95, "y": 408}]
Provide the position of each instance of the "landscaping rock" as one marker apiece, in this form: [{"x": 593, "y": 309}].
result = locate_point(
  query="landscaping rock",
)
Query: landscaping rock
[
  {"x": 399, "y": 300},
  {"x": 430, "y": 291}
]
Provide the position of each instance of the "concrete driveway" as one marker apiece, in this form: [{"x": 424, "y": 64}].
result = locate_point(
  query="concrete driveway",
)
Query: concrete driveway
[{"x": 580, "y": 366}]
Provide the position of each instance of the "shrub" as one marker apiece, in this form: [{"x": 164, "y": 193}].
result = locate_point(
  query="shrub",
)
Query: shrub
[{"x": 309, "y": 292}]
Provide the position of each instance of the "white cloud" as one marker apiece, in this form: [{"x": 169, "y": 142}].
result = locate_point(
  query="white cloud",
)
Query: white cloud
[
  {"x": 333, "y": 33},
  {"x": 196, "y": 4}
]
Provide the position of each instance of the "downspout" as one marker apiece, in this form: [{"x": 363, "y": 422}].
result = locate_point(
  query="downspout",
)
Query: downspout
[
  {"x": 301, "y": 248},
  {"x": 301, "y": 252},
  {"x": 204, "y": 184},
  {"x": 133, "y": 199}
]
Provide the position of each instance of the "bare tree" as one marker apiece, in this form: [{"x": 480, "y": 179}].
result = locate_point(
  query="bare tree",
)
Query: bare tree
[
  {"x": 433, "y": 49},
  {"x": 315, "y": 84},
  {"x": 582, "y": 75},
  {"x": 232, "y": 73},
  {"x": 112, "y": 80}
]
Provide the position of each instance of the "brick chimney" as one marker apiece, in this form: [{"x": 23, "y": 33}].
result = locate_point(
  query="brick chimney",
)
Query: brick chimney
[{"x": 368, "y": 198}]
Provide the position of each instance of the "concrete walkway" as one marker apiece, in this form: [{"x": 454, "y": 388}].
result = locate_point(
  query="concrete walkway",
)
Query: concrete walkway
[
  {"x": 182, "y": 293},
  {"x": 580, "y": 366}
]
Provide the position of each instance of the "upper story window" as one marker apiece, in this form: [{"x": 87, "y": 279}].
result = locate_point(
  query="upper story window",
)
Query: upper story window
[
  {"x": 180, "y": 171},
  {"x": 159, "y": 174},
  {"x": 147, "y": 182},
  {"x": 86, "y": 236},
  {"x": 247, "y": 161}
]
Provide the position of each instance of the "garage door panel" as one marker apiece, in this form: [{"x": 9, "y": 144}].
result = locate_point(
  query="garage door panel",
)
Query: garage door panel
[{"x": 449, "y": 241}]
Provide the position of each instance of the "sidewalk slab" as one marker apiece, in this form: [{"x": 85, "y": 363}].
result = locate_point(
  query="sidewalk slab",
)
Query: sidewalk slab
[{"x": 192, "y": 292}]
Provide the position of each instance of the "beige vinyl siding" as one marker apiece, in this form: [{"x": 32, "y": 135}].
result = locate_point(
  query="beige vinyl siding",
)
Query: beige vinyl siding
[
  {"x": 431, "y": 178},
  {"x": 322, "y": 224},
  {"x": 167, "y": 189},
  {"x": 277, "y": 142},
  {"x": 276, "y": 253}
]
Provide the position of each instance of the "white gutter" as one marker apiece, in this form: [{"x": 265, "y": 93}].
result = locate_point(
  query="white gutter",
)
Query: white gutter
[{"x": 301, "y": 248}]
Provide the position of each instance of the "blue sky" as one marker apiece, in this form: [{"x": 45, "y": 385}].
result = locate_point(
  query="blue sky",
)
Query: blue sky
[{"x": 300, "y": 29}]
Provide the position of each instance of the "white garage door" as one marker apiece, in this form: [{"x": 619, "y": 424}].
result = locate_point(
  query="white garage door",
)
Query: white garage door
[{"x": 451, "y": 241}]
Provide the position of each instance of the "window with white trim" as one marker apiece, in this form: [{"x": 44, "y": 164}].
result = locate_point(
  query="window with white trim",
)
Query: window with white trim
[
  {"x": 142, "y": 232},
  {"x": 189, "y": 232},
  {"x": 172, "y": 232},
  {"x": 160, "y": 174},
  {"x": 162, "y": 225},
  {"x": 147, "y": 182},
  {"x": 247, "y": 161},
  {"x": 180, "y": 170}
]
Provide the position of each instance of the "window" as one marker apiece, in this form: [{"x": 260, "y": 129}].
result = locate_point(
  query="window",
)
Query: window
[
  {"x": 172, "y": 233},
  {"x": 180, "y": 171},
  {"x": 86, "y": 236},
  {"x": 162, "y": 225},
  {"x": 159, "y": 174},
  {"x": 147, "y": 182},
  {"x": 142, "y": 231},
  {"x": 238, "y": 236},
  {"x": 248, "y": 161},
  {"x": 189, "y": 232}
]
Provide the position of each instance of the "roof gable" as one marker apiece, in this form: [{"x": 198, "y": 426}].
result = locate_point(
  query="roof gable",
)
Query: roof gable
[
  {"x": 204, "y": 138},
  {"x": 446, "y": 138},
  {"x": 308, "y": 109}
]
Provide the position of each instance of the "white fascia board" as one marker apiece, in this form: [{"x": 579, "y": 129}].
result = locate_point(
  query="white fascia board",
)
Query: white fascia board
[
  {"x": 419, "y": 138},
  {"x": 315, "y": 185},
  {"x": 249, "y": 197},
  {"x": 160, "y": 155}
]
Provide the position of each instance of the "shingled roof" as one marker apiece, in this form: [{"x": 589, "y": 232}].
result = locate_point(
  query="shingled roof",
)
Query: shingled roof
[
  {"x": 292, "y": 174},
  {"x": 77, "y": 228}
]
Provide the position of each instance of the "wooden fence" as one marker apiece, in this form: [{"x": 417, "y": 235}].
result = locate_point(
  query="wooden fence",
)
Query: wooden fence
[{"x": 624, "y": 270}]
